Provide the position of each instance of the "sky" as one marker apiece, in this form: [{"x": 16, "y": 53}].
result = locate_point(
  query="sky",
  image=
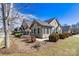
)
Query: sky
[{"x": 66, "y": 13}]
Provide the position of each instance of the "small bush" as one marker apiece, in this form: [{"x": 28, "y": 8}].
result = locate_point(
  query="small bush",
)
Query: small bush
[
  {"x": 54, "y": 37},
  {"x": 62, "y": 36},
  {"x": 33, "y": 38},
  {"x": 70, "y": 34},
  {"x": 66, "y": 35},
  {"x": 73, "y": 33},
  {"x": 18, "y": 34},
  {"x": 13, "y": 33}
]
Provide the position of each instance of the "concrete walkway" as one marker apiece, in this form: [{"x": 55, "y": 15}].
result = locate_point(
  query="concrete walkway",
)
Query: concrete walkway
[{"x": 39, "y": 39}]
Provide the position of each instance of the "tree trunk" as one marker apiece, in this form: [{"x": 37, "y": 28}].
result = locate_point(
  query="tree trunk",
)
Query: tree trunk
[{"x": 5, "y": 26}]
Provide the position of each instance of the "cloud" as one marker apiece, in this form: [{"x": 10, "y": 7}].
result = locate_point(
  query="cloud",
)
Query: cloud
[
  {"x": 24, "y": 16},
  {"x": 30, "y": 17}
]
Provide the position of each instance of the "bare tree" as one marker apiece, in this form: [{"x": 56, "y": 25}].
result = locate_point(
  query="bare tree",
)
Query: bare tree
[
  {"x": 5, "y": 8},
  {"x": 7, "y": 17}
]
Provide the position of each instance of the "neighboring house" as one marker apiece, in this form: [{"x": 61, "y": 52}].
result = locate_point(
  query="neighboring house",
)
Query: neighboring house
[
  {"x": 75, "y": 28},
  {"x": 41, "y": 29},
  {"x": 66, "y": 28},
  {"x": 25, "y": 27},
  {"x": 77, "y": 25},
  {"x": 56, "y": 25},
  {"x": 71, "y": 29}
]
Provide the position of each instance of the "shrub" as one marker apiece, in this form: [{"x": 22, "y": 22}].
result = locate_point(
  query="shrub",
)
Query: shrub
[
  {"x": 33, "y": 38},
  {"x": 54, "y": 37},
  {"x": 62, "y": 36},
  {"x": 18, "y": 34},
  {"x": 66, "y": 35},
  {"x": 70, "y": 34},
  {"x": 13, "y": 32},
  {"x": 73, "y": 33}
]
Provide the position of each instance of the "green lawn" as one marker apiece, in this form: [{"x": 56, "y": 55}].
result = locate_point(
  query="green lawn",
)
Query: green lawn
[{"x": 69, "y": 46}]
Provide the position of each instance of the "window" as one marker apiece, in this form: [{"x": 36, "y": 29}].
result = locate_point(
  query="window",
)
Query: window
[
  {"x": 47, "y": 30},
  {"x": 50, "y": 31},
  {"x": 38, "y": 30},
  {"x": 34, "y": 31},
  {"x": 44, "y": 30}
]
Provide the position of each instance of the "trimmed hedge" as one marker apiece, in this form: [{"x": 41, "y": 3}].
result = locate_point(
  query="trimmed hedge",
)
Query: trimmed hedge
[
  {"x": 73, "y": 33},
  {"x": 62, "y": 36},
  {"x": 65, "y": 35},
  {"x": 54, "y": 37},
  {"x": 70, "y": 34}
]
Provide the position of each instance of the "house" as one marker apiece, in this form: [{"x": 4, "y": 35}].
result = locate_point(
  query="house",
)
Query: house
[
  {"x": 56, "y": 25},
  {"x": 41, "y": 29},
  {"x": 25, "y": 27},
  {"x": 75, "y": 28},
  {"x": 66, "y": 28}
]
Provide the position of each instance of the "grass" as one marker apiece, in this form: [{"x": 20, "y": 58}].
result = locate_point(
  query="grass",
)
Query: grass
[
  {"x": 67, "y": 47},
  {"x": 1, "y": 42}
]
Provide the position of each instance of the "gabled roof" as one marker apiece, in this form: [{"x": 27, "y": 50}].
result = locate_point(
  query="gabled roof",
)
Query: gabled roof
[
  {"x": 41, "y": 23},
  {"x": 51, "y": 19},
  {"x": 27, "y": 22}
]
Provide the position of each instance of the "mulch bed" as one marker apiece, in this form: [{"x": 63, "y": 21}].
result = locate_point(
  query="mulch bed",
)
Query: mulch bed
[{"x": 23, "y": 47}]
